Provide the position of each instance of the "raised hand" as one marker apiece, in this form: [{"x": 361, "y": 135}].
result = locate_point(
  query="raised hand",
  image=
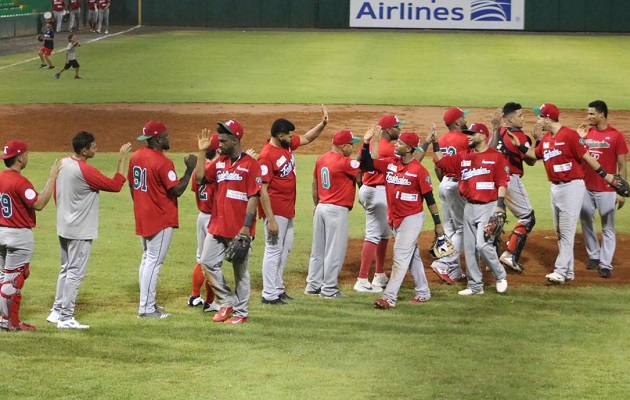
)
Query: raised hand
[{"x": 203, "y": 140}]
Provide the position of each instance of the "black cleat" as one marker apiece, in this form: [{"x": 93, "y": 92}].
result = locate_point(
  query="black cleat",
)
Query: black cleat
[
  {"x": 284, "y": 296},
  {"x": 592, "y": 264},
  {"x": 604, "y": 272},
  {"x": 274, "y": 302}
]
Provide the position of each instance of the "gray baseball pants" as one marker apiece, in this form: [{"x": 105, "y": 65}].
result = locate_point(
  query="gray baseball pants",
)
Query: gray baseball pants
[
  {"x": 407, "y": 257},
  {"x": 74, "y": 260},
  {"x": 604, "y": 202},
  {"x": 330, "y": 241},
  {"x": 277, "y": 249},
  {"x": 153, "y": 255},
  {"x": 566, "y": 203},
  {"x": 453, "y": 211},
  {"x": 476, "y": 217}
]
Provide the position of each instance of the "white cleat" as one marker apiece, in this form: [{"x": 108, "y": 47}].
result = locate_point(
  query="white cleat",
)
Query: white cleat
[
  {"x": 71, "y": 324},
  {"x": 555, "y": 278},
  {"x": 507, "y": 260},
  {"x": 53, "y": 318},
  {"x": 502, "y": 285},
  {"x": 363, "y": 286},
  {"x": 380, "y": 280},
  {"x": 468, "y": 292}
]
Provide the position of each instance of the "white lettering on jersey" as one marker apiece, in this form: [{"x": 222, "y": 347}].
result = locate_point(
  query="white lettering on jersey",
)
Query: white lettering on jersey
[
  {"x": 549, "y": 154},
  {"x": 488, "y": 162},
  {"x": 409, "y": 196},
  {"x": 228, "y": 176},
  {"x": 485, "y": 186},
  {"x": 242, "y": 169},
  {"x": 410, "y": 174},
  {"x": 397, "y": 180},
  {"x": 471, "y": 173},
  {"x": 563, "y": 167},
  {"x": 236, "y": 195}
]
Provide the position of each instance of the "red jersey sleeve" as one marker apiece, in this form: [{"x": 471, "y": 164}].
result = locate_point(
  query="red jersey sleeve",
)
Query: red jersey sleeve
[
  {"x": 424, "y": 178},
  {"x": 351, "y": 167},
  {"x": 266, "y": 169},
  {"x": 168, "y": 176},
  {"x": 502, "y": 176},
  {"x": 254, "y": 180},
  {"x": 97, "y": 181},
  {"x": 578, "y": 145},
  {"x": 295, "y": 142},
  {"x": 211, "y": 172},
  {"x": 450, "y": 164}
]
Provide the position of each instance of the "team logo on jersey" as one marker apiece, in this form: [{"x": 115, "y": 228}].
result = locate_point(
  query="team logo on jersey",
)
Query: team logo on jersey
[
  {"x": 228, "y": 176},
  {"x": 220, "y": 164},
  {"x": 30, "y": 194},
  {"x": 172, "y": 176},
  {"x": 428, "y": 179},
  {"x": 394, "y": 179},
  {"x": 354, "y": 164},
  {"x": 466, "y": 163},
  {"x": 598, "y": 144},
  {"x": 473, "y": 172},
  {"x": 392, "y": 167},
  {"x": 549, "y": 154},
  {"x": 287, "y": 168},
  {"x": 507, "y": 169},
  {"x": 259, "y": 180}
]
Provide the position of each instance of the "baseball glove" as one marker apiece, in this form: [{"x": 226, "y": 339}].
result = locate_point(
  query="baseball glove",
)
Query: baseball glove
[
  {"x": 40, "y": 38},
  {"x": 441, "y": 247},
  {"x": 238, "y": 249},
  {"x": 494, "y": 227},
  {"x": 620, "y": 185}
]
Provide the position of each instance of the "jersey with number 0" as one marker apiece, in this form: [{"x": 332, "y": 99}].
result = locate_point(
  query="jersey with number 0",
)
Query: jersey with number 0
[
  {"x": 236, "y": 182},
  {"x": 277, "y": 167},
  {"x": 336, "y": 177},
  {"x": 480, "y": 174},
  {"x": 77, "y": 198},
  {"x": 17, "y": 196},
  {"x": 562, "y": 154},
  {"x": 604, "y": 146},
  {"x": 451, "y": 143},
  {"x": 385, "y": 150},
  {"x": 151, "y": 174},
  {"x": 204, "y": 194},
  {"x": 405, "y": 185},
  {"x": 513, "y": 155}
]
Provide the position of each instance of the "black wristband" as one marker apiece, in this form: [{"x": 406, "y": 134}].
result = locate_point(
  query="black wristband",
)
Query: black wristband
[
  {"x": 523, "y": 148},
  {"x": 366, "y": 146},
  {"x": 249, "y": 220},
  {"x": 601, "y": 172},
  {"x": 501, "y": 202},
  {"x": 425, "y": 146},
  {"x": 436, "y": 218},
  {"x": 436, "y": 147}
]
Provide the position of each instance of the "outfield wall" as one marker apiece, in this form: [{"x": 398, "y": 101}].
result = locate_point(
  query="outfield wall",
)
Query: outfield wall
[{"x": 540, "y": 15}]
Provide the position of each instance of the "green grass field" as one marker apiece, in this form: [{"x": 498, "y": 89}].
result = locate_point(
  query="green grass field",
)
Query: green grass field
[{"x": 531, "y": 343}]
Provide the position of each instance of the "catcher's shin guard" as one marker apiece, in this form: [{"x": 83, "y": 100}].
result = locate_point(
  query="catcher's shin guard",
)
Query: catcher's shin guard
[
  {"x": 517, "y": 239},
  {"x": 11, "y": 295}
]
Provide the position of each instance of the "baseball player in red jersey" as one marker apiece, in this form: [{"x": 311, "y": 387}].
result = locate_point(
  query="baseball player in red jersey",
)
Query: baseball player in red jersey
[
  {"x": 608, "y": 146},
  {"x": 204, "y": 196},
  {"x": 18, "y": 203},
  {"x": 278, "y": 193},
  {"x": 449, "y": 268},
  {"x": 74, "y": 8},
  {"x": 59, "y": 8},
  {"x": 77, "y": 198},
  {"x": 154, "y": 190},
  {"x": 333, "y": 191},
  {"x": 407, "y": 183},
  {"x": 516, "y": 197},
  {"x": 483, "y": 176},
  {"x": 374, "y": 200},
  {"x": 562, "y": 151},
  {"x": 238, "y": 182},
  {"x": 103, "y": 16},
  {"x": 92, "y": 16}
]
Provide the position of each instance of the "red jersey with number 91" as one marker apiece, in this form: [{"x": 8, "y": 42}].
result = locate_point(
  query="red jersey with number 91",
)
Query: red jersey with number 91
[
  {"x": 406, "y": 185},
  {"x": 336, "y": 176},
  {"x": 151, "y": 174},
  {"x": 17, "y": 197},
  {"x": 236, "y": 182}
]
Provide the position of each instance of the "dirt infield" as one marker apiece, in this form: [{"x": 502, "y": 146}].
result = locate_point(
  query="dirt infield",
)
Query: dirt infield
[{"x": 51, "y": 127}]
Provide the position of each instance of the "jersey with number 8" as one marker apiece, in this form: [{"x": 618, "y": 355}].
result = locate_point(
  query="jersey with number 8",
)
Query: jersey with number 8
[{"x": 151, "y": 174}]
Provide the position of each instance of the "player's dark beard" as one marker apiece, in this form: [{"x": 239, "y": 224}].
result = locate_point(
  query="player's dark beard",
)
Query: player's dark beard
[
  {"x": 285, "y": 145},
  {"x": 166, "y": 146},
  {"x": 464, "y": 127}
]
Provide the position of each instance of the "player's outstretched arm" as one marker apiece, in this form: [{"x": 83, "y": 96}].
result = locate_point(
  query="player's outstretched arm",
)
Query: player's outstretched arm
[
  {"x": 47, "y": 191},
  {"x": 314, "y": 133},
  {"x": 123, "y": 154},
  {"x": 419, "y": 155},
  {"x": 203, "y": 143},
  {"x": 497, "y": 117},
  {"x": 190, "y": 161}
]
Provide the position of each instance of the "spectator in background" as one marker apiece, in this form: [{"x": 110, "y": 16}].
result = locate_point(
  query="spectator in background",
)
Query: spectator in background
[
  {"x": 59, "y": 9},
  {"x": 74, "y": 7},
  {"x": 92, "y": 16}
]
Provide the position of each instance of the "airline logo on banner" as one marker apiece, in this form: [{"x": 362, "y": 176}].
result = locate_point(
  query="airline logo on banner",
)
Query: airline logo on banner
[{"x": 438, "y": 14}]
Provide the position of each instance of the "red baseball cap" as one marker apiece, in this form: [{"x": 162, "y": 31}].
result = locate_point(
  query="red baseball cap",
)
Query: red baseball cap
[
  {"x": 389, "y": 121},
  {"x": 548, "y": 110},
  {"x": 453, "y": 114},
  {"x": 345, "y": 137},
  {"x": 13, "y": 148},
  {"x": 214, "y": 142},
  {"x": 477, "y": 127},
  {"x": 152, "y": 129},
  {"x": 233, "y": 127},
  {"x": 410, "y": 139}
]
